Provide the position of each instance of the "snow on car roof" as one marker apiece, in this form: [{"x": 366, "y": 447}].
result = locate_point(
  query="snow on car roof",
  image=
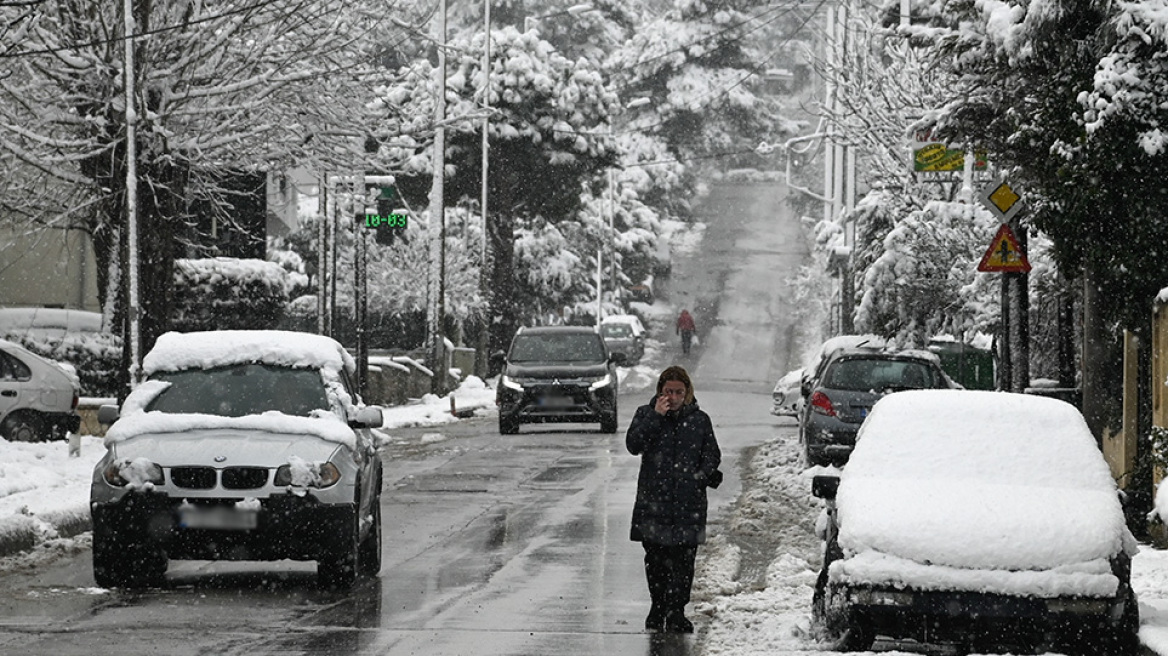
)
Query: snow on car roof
[
  {"x": 978, "y": 480},
  {"x": 838, "y": 342},
  {"x": 995, "y": 437},
  {"x": 204, "y": 350}
]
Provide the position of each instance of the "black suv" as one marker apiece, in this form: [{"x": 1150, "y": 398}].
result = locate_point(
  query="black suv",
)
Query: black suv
[
  {"x": 558, "y": 374},
  {"x": 839, "y": 395}
]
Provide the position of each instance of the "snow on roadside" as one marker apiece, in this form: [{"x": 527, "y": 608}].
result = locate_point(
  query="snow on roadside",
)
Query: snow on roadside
[
  {"x": 1150, "y": 582},
  {"x": 772, "y": 614}
]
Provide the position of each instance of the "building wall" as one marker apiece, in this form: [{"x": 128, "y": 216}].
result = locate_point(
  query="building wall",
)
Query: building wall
[{"x": 50, "y": 267}]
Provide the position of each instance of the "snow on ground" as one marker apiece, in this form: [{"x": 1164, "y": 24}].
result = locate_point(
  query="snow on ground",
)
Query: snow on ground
[{"x": 1150, "y": 582}]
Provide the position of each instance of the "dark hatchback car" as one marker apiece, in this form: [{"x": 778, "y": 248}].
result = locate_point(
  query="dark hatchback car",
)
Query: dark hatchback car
[
  {"x": 847, "y": 385},
  {"x": 558, "y": 374}
]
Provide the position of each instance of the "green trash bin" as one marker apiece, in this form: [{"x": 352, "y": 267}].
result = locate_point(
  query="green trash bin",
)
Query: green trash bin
[{"x": 970, "y": 366}]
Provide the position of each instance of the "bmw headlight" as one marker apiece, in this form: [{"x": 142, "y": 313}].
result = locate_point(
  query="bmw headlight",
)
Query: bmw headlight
[
  {"x": 301, "y": 473},
  {"x": 138, "y": 473},
  {"x": 511, "y": 383},
  {"x": 601, "y": 382}
]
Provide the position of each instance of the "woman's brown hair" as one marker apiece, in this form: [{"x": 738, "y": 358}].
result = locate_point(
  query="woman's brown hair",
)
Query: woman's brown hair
[{"x": 679, "y": 374}]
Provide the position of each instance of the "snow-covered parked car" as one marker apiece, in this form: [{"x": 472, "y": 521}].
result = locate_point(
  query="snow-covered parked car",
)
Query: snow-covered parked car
[
  {"x": 38, "y": 397},
  {"x": 984, "y": 518},
  {"x": 240, "y": 445}
]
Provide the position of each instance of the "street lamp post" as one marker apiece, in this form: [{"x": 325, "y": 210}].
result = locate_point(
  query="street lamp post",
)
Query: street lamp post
[
  {"x": 132, "y": 199},
  {"x": 437, "y": 305},
  {"x": 482, "y": 362}
]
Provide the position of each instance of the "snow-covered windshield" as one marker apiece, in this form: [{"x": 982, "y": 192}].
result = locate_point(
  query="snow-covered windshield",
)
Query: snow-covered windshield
[
  {"x": 557, "y": 348},
  {"x": 241, "y": 390},
  {"x": 876, "y": 374}
]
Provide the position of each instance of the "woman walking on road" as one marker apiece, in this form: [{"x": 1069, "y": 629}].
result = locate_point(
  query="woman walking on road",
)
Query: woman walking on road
[
  {"x": 686, "y": 328},
  {"x": 679, "y": 460}
]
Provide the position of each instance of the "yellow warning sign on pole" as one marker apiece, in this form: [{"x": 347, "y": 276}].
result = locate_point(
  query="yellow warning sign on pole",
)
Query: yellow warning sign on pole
[
  {"x": 1004, "y": 254},
  {"x": 1001, "y": 199}
]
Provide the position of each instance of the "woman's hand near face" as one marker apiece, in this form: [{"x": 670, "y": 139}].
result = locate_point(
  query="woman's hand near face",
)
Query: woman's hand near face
[{"x": 661, "y": 406}]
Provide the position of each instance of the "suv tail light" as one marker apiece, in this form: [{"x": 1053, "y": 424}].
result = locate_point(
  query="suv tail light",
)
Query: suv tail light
[
  {"x": 76, "y": 399},
  {"x": 821, "y": 404}
]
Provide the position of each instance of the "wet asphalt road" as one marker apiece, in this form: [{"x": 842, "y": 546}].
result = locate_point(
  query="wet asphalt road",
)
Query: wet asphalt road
[{"x": 493, "y": 545}]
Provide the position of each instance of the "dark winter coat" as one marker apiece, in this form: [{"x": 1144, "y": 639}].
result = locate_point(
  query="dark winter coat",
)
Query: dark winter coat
[{"x": 679, "y": 459}]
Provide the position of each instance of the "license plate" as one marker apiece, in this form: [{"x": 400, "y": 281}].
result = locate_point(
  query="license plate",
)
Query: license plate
[
  {"x": 218, "y": 518},
  {"x": 556, "y": 401}
]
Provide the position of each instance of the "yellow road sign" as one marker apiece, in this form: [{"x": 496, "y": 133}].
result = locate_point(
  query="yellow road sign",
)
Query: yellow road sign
[
  {"x": 1004, "y": 254},
  {"x": 1001, "y": 199}
]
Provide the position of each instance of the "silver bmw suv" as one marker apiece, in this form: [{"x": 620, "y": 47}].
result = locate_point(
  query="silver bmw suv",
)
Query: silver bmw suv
[{"x": 240, "y": 445}]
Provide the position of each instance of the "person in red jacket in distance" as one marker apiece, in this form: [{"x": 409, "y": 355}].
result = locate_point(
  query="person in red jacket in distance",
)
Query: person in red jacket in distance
[{"x": 686, "y": 328}]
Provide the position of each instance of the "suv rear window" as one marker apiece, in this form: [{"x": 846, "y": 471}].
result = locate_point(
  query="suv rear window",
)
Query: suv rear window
[
  {"x": 861, "y": 374},
  {"x": 557, "y": 348}
]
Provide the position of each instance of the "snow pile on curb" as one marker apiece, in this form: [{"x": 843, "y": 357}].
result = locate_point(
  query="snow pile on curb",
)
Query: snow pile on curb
[
  {"x": 43, "y": 492},
  {"x": 777, "y": 514}
]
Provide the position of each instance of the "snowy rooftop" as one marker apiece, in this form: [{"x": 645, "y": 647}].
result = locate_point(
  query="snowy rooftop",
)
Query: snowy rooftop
[{"x": 177, "y": 351}]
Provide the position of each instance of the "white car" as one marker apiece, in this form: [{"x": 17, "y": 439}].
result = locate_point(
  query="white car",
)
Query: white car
[
  {"x": 623, "y": 333},
  {"x": 48, "y": 322},
  {"x": 984, "y": 518},
  {"x": 38, "y": 397},
  {"x": 240, "y": 445},
  {"x": 629, "y": 320},
  {"x": 787, "y": 397}
]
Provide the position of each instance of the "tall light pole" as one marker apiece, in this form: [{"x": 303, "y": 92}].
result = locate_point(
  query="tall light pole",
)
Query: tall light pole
[
  {"x": 437, "y": 282},
  {"x": 132, "y": 197},
  {"x": 482, "y": 361}
]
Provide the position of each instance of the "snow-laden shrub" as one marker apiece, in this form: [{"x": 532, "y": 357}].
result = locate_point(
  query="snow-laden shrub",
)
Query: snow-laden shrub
[{"x": 226, "y": 293}]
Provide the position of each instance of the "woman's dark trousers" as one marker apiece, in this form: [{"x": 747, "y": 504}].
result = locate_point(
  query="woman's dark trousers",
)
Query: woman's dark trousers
[{"x": 670, "y": 572}]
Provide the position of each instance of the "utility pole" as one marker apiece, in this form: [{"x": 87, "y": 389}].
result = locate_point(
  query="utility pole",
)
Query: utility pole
[
  {"x": 129, "y": 76},
  {"x": 361, "y": 280},
  {"x": 437, "y": 305},
  {"x": 322, "y": 259},
  {"x": 482, "y": 358}
]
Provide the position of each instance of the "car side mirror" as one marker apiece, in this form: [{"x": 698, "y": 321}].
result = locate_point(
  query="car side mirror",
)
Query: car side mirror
[
  {"x": 618, "y": 358},
  {"x": 498, "y": 357},
  {"x": 107, "y": 414},
  {"x": 805, "y": 387},
  {"x": 825, "y": 487},
  {"x": 369, "y": 417}
]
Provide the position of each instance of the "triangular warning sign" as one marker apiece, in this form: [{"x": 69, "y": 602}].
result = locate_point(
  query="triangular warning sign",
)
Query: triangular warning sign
[{"x": 1004, "y": 254}]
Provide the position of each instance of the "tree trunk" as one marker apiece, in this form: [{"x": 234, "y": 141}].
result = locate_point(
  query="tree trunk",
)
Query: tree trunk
[{"x": 1101, "y": 363}]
